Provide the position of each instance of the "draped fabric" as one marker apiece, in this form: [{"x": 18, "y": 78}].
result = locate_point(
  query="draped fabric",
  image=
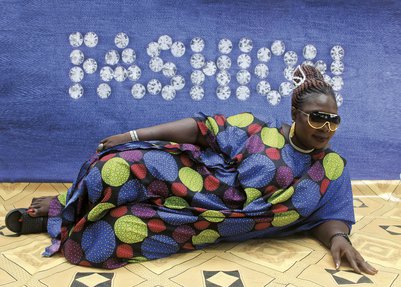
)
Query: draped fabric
[{"x": 148, "y": 200}]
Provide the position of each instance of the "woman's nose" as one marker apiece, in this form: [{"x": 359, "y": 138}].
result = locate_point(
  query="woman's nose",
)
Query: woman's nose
[{"x": 325, "y": 127}]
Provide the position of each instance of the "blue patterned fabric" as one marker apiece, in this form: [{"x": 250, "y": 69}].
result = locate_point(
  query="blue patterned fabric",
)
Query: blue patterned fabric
[
  {"x": 163, "y": 198},
  {"x": 45, "y": 134}
]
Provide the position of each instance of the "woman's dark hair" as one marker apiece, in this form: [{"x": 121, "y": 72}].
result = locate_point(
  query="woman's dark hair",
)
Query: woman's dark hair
[{"x": 313, "y": 85}]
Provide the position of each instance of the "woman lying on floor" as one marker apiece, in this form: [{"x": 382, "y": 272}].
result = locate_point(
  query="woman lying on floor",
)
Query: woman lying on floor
[{"x": 187, "y": 184}]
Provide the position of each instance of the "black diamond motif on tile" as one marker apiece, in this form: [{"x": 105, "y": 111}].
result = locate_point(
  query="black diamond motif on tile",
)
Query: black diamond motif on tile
[
  {"x": 222, "y": 278},
  {"x": 385, "y": 227},
  {"x": 92, "y": 279},
  {"x": 343, "y": 281},
  {"x": 360, "y": 203}
]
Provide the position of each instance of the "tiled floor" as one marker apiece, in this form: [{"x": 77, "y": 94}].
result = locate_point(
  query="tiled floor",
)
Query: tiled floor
[{"x": 294, "y": 261}]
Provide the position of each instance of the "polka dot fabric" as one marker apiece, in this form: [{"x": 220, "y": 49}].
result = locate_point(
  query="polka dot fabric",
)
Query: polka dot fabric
[{"x": 148, "y": 200}]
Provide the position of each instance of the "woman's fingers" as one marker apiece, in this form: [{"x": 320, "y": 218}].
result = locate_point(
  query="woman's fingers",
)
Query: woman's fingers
[
  {"x": 367, "y": 268},
  {"x": 336, "y": 257},
  {"x": 353, "y": 261}
]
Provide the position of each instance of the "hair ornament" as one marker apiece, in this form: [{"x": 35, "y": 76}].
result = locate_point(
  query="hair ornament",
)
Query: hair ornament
[{"x": 298, "y": 80}]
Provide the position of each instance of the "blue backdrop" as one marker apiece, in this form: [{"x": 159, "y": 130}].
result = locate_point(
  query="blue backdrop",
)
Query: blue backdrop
[{"x": 46, "y": 135}]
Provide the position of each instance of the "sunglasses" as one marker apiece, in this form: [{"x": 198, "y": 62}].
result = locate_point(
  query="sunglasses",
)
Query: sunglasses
[{"x": 318, "y": 120}]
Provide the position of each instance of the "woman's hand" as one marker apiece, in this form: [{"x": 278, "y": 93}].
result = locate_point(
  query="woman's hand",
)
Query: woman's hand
[
  {"x": 341, "y": 248},
  {"x": 113, "y": 141}
]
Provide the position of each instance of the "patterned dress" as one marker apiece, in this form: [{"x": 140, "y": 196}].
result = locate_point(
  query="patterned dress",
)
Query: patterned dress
[{"x": 148, "y": 200}]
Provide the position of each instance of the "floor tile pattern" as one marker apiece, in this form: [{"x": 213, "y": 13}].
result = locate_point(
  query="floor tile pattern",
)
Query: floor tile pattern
[{"x": 291, "y": 262}]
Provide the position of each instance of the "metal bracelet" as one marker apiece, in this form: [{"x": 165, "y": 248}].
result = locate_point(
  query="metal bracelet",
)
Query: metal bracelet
[
  {"x": 134, "y": 136},
  {"x": 343, "y": 235}
]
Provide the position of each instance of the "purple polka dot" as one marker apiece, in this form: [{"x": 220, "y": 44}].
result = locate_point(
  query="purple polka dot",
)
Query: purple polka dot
[
  {"x": 143, "y": 211},
  {"x": 183, "y": 233},
  {"x": 54, "y": 207},
  {"x": 132, "y": 155},
  {"x": 190, "y": 147},
  {"x": 316, "y": 172},
  {"x": 233, "y": 198},
  {"x": 158, "y": 188},
  {"x": 72, "y": 251},
  {"x": 255, "y": 144},
  {"x": 284, "y": 176},
  {"x": 113, "y": 263}
]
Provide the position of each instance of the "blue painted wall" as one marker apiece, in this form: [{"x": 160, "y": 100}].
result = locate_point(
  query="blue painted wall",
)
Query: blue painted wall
[{"x": 45, "y": 135}]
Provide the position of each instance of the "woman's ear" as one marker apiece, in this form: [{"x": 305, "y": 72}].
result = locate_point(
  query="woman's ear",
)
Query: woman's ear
[{"x": 293, "y": 113}]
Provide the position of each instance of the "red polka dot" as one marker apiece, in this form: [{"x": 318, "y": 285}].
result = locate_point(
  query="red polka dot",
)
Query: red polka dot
[
  {"x": 124, "y": 251},
  {"x": 185, "y": 160},
  {"x": 179, "y": 189},
  {"x": 273, "y": 153},
  {"x": 220, "y": 120},
  {"x": 156, "y": 225},
  {"x": 319, "y": 155},
  {"x": 188, "y": 246},
  {"x": 107, "y": 157},
  {"x": 201, "y": 225},
  {"x": 158, "y": 201},
  {"x": 172, "y": 146},
  {"x": 278, "y": 208},
  {"x": 78, "y": 227},
  {"x": 85, "y": 263},
  {"x": 200, "y": 209},
  {"x": 237, "y": 214},
  {"x": 270, "y": 189},
  {"x": 203, "y": 128},
  {"x": 211, "y": 183},
  {"x": 107, "y": 194},
  {"x": 324, "y": 186},
  {"x": 119, "y": 211},
  {"x": 263, "y": 219},
  {"x": 139, "y": 170},
  {"x": 262, "y": 225},
  {"x": 254, "y": 128},
  {"x": 239, "y": 157}
]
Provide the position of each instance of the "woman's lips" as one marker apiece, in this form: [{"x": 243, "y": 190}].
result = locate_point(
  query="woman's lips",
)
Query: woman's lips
[{"x": 320, "y": 138}]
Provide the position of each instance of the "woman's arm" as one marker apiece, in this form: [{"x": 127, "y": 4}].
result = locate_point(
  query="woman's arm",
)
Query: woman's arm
[
  {"x": 340, "y": 247},
  {"x": 181, "y": 131}
]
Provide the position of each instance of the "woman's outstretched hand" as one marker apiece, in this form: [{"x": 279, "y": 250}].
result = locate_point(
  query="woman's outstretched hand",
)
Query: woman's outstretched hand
[
  {"x": 113, "y": 141},
  {"x": 340, "y": 248}
]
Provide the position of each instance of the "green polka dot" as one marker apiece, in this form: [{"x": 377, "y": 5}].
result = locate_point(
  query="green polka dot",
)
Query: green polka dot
[
  {"x": 272, "y": 137},
  {"x": 206, "y": 236},
  {"x": 212, "y": 125},
  {"x": 251, "y": 195},
  {"x": 191, "y": 179},
  {"x": 175, "y": 202},
  {"x": 137, "y": 259},
  {"x": 130, "y": 229},
  {"x": 115, "y": 171},
  {"x": 62, "y": 198},
  {"x": 213, "y": 216},
  {"x": 281, "y": 195},
  {"x": 241, "y": 120},
  {"x": 285, "y": 218},
  {"x": 333, "y": 166},
  {"x": 99, "y": 211}
]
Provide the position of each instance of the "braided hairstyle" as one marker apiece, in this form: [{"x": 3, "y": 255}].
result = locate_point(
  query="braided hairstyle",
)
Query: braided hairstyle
[{"x": 314, "y": 85}]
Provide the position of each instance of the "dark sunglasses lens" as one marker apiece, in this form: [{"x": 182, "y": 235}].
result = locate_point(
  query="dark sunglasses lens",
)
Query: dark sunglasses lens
[{"x": 319, "y": 117}]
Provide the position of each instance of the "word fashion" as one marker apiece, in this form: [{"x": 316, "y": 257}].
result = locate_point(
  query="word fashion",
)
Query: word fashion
[{"x": 249, "y": 70}]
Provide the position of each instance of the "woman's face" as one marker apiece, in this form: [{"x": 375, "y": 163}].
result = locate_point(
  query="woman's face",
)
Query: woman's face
[{"x": 306, "y": 136}]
